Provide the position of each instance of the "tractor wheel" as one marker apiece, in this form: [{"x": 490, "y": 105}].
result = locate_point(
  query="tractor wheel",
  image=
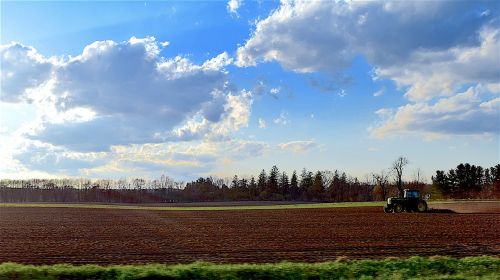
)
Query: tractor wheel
[
  {"x": 398, "y": 208},
  {"x": 387, "y": 209},
  {"x": 422, "y": 206}
]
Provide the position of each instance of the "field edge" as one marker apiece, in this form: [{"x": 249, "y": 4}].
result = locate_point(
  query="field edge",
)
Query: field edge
[
  {"x": 276, "y": 206},
  {"x": 197, "y": 208}
]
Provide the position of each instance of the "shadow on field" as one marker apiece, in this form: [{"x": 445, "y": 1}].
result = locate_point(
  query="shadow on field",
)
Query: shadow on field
[{"x": 446, "y": 211}]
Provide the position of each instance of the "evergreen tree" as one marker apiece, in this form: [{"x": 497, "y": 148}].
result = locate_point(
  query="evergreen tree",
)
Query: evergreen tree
[
  {"x": 334, "y": 187},
  {"x": 465, "y": 181},
  {"x": 294, "y": 186},
  {"x": 272, "y": 183},
  {"x": 243, "y": 184},
  {"x": 306, "y": 182},
  {"x": 262, "y": 182},
  {"x": 284, "y": 185},
  {"x": 252, "y": 189},
  {"x": 317, "y": 189},
  {"x": 243, "y": 192}
]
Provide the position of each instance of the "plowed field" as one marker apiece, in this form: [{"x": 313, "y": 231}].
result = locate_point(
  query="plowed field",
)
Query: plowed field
[{"x": 111, "y": 236}]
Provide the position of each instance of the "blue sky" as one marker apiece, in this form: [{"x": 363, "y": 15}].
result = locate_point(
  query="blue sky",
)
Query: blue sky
[{"x": 186, "y": 89}]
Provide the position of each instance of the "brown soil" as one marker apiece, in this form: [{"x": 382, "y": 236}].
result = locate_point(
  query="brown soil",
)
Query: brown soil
[
  {"x": 110, "y": 236},
  {"x": 468, "y": 206}
]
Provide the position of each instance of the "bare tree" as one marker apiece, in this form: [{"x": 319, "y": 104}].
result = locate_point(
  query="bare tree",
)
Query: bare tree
[
  {"x": 398, "y": 166},
  {"x": 382, "y": 181},
  {"x": 419, "y": 177},
  {"x": 327, "y": 177}
]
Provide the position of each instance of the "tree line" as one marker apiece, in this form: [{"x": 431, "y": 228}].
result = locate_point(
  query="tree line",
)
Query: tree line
[{"x": 465, "y": 181}]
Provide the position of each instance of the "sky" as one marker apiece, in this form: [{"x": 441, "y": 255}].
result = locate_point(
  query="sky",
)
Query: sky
[{"x": 198, "y": 88}]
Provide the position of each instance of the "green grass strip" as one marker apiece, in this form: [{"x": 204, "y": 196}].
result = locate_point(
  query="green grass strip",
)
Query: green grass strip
[
  {"x": 412, "y": 268},
  {"x": 196, "y": 208}
]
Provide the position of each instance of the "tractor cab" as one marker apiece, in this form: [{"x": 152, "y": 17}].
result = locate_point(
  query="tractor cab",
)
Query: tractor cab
[{"x": 411, "y": 193}]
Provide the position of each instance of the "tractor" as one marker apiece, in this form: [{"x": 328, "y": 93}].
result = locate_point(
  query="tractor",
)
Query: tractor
[{"x": 411, "y": 201}]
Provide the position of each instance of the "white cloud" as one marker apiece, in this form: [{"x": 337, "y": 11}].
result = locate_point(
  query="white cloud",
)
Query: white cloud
[
  {"x": 309, "y": 36},
  {"x": 434, "y": 81},
  {"x": 298, "y": 146},
  {"x": 379, "y": 92},
  {"x": 274, "y": 91},
  {"x": 218, "y": 62},
  {"x": 491, "y": 105},
  {"x": 22, "y": 68},
  {"x": 282, "y": 119},
  {"x": 242, "y": 149},
  {"x": 182, "y": 160},
  {"x": 494, "y": 87},
  {"x": 441, "y": 73},
  {"x": 462, "y": 114},
  {"x": 430, "y": 50},
  {"x": 233, "y": 6},
  {"x": 119, "y": 108},
  {"x": 44, "y": 157},
  {"x": 119, "y": 93},
  {"x": 235, "y": 115},
  {"x": 262, "y": 123}
]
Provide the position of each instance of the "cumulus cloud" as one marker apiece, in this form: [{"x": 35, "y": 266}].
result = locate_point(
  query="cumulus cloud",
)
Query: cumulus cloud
[
  {"x": 218, "y": 62},
  {"x": 120, "y": 108},
  {"x": 297, "y": 146},
  {"x": 308, "y": 36},
  {"x": 431, "y": 50},
  {"x": 442, "y": 73},
  {"x": 118, "y": 93},
  {"x": 235, "y": 114},
  {"x": 22, "y": 69},
  {"x": 433, "y": 81},
  {"x": 463, "y": 114}
]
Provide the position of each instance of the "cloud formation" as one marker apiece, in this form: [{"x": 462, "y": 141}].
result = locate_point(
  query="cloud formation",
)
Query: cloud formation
[
  {"x": 235, "y": 114},
  {"x": 429, "y": 74},
  {"x": 462, "y": 114},
  {"x": 22, "y": 69},
  {"x": 308, "y": 36},
  {"x": 430, "y": 50},
  {"x": 120, "y": 93},
  {"x": 233, "y": 6},
  {"x": 298, "y": 146},
  {"x": 120, "y": 108}
]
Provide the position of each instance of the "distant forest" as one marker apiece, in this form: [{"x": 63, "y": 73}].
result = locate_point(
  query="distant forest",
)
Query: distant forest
[{"x": 463, "y": 182}]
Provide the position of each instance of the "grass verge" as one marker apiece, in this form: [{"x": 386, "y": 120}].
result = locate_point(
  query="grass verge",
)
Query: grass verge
[
  {"x": 196, "y": 208},
  {"x": 412, "y": 268}
]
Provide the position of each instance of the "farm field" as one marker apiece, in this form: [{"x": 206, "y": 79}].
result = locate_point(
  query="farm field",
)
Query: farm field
[{"x": 49, "y": 235}]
